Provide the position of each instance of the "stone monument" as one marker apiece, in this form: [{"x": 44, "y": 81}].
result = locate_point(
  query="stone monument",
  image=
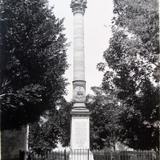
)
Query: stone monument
[{"x": 80, "y": 137}]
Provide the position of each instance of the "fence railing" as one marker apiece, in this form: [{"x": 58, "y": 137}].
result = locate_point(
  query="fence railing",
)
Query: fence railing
[
  {"x": 125, "y": 155},
  {"x": 53, "y": 155},
  {"x": 85, "y": 154}
]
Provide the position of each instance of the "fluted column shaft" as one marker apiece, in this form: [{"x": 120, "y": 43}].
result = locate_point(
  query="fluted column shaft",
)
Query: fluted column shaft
[{"x": 78, "y": 49}]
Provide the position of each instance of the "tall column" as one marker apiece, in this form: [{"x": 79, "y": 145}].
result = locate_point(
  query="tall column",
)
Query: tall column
[
  {"x": 80, "y": 132},
  {"x": 79, "y": 83},
  {"x": 78, "y": 9}
]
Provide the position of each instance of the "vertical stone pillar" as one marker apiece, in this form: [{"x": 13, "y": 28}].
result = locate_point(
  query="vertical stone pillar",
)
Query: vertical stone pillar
[
  {"x": 80, "y": 132},
  {"x": 79, "y": 84},
  {"x": 78, "y": 40}
]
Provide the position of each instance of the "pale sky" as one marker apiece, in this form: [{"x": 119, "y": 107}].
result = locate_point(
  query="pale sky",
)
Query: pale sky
[{"x": 97, "y": 25}]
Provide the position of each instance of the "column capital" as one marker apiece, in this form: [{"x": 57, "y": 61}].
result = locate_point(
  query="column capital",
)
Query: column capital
[{"x": 78, "y": 6}]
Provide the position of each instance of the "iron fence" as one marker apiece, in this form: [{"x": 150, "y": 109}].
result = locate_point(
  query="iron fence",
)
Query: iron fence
[
  {"x": 53, "y": 155},
  {"x": 85, "y": 154},
  {"x": 125, "y": 155}
]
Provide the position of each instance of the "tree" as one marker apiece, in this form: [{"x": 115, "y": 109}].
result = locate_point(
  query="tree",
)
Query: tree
[
  {"x": 140, "y": 122},
  {"x": 141, "y": 18},
  {"x": 131, "y": 59},
  {"x": 43, "y": 135},
  {"x": 104, "y": 119},
  {"x": 53, "y": 127},
  {"x": 65, "y": 122},
  {"x": 33, "y": 50}
]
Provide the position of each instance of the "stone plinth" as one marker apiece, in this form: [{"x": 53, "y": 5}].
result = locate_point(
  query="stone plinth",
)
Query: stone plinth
[{"x": 80, "y": 136}]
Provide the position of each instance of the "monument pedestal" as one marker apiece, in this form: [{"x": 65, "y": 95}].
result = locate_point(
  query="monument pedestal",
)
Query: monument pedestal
[
  {"x": 80, "y": 128},
  {"x": 80, "y": 134}
]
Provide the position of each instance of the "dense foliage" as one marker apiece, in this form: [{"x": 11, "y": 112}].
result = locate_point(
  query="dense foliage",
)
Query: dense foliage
[
  {"x": 33, "y": 61},
  {"x": 104, "y": 122},
  {"x": 43, "y": 135},
  {"x": 65, "y": 123},
  {"x": 131, "y": 60},
  {"x": 53, "y": 127}
]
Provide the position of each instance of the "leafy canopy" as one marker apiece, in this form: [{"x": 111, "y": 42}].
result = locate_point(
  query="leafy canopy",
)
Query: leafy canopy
[
  {"x": 104, "y": 122},
  {"x": 53, "y": 127},
  {"x": 33, "y": 56},
  {"x": 131, "y": 60}
]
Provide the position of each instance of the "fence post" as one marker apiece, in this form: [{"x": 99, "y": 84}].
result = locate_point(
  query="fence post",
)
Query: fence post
[
  {"x": 88, "y": 154},
  {"x": 157, "y": 155},
  {"x": 65, "y": 156},
  {"x": 111, "y": 155},
  {"x": 21, "y": 155}
]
